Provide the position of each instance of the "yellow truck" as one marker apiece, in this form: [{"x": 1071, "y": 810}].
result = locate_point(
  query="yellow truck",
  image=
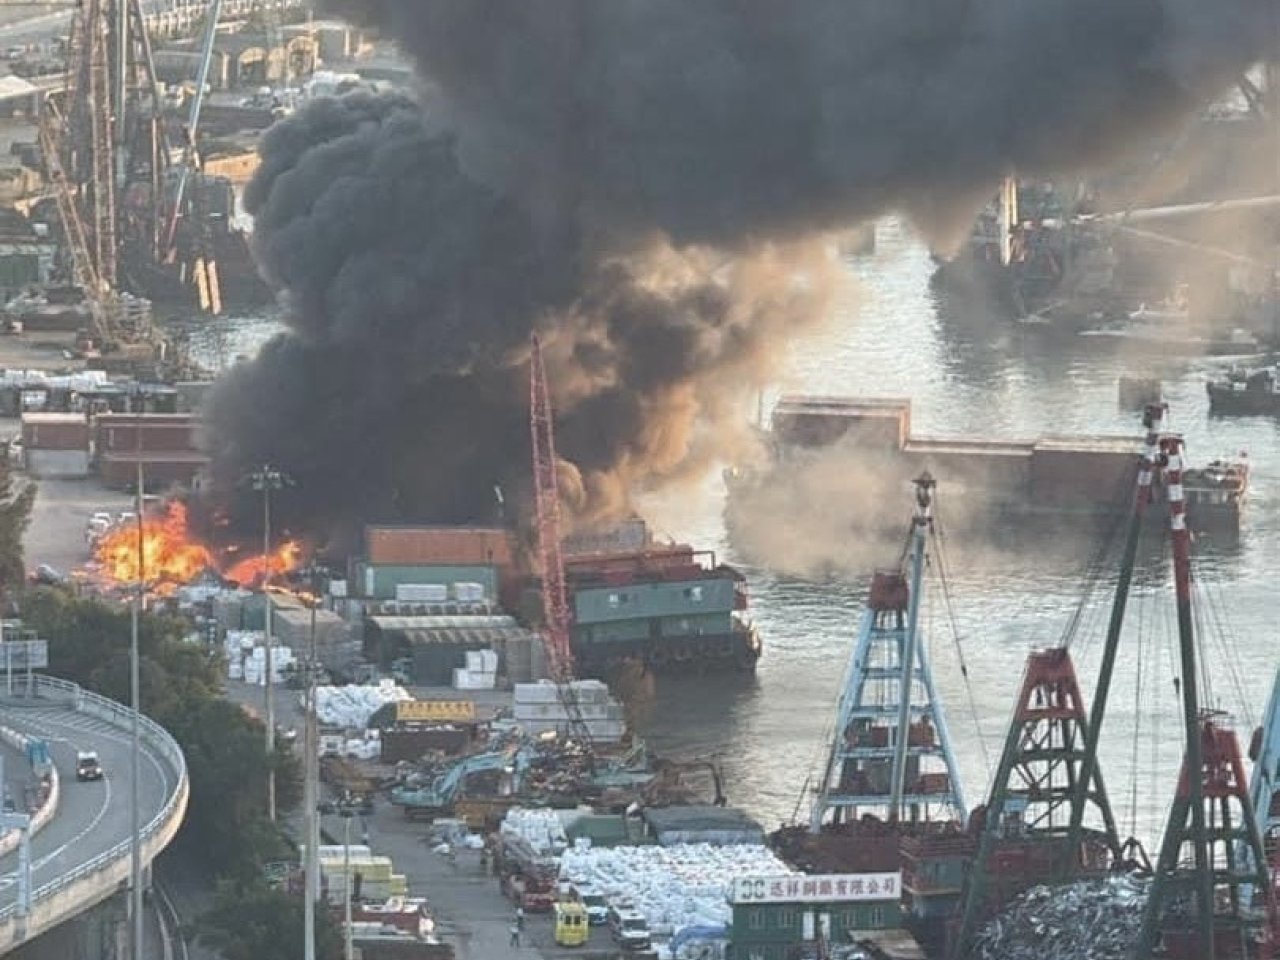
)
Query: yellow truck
[{"x": 572, "y": 928}]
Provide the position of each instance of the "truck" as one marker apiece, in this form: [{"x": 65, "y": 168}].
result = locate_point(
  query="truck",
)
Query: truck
[
  {"x": 528, "y": 878},
  {"x": 87, "y": 765}
]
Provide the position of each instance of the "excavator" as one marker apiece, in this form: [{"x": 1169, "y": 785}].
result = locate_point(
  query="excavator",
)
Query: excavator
[
  {"x": 669, "y": 784},
  {"x": 436, "y": 799},
  {"x": 629, "y": 774}
]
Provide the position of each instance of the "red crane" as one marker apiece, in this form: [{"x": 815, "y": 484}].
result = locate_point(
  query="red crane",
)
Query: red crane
[{"x": 555, "y": 603}]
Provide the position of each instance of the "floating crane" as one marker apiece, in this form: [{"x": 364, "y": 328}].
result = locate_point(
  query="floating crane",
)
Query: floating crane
[
  {"x": 101, "y": 138},
  {"x": 204, "y": 266},
  {"x": 1211, "y": 858},
  {"x": 890, "y": 724}
]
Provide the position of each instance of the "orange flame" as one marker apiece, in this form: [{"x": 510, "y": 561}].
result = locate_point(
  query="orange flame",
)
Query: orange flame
[
  {"x": 171, "y": 555},
  {"x": 286, "y": 557}
]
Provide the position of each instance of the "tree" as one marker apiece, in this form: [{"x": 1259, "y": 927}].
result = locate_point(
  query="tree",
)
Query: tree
[
  {"x": 257, "y": 922},
  {"x": 16, "y": 503},
  {"x": 181, "y": 688}
]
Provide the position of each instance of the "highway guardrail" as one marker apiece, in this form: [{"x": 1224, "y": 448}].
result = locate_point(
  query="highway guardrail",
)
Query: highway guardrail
[{"x": 109, "y": 868}]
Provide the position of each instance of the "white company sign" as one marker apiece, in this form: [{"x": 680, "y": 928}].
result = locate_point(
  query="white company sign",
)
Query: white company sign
[{"x": 844, "y": 887}]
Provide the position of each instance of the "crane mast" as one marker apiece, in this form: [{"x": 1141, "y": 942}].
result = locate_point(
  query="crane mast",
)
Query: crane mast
[
  {"x": 103, "y": 148},
  {"x": 555, "y": 604}
]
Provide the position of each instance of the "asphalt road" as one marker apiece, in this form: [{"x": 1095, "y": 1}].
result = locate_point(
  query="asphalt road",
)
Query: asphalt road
[
  {"x": 62, "y": 508},
  {"x": 93, "y": 816}
]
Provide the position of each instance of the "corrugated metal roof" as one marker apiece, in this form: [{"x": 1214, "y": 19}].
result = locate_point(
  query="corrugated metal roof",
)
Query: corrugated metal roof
[
  {"x": 39, "y": 418},
  {"x": 486, "y": 636},
  {"x": 434, "y": 623},
  {"x": 700, "y": 817}
]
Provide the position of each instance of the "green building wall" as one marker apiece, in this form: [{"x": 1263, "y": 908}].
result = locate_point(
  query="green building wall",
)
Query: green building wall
[
  {"x": 767, "y": 931},
  {"x": 643, "y": 601}
]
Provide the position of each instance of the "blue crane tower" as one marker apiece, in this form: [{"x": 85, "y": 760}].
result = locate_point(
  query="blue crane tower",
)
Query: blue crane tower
[{"x": 890, "y": 754}]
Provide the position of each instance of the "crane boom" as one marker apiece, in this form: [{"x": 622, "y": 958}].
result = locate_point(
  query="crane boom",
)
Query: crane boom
[
  {"x": 547, "y": 496},
  {"x": 555, "y": 604},
  {"x": 191, "y": 158}
]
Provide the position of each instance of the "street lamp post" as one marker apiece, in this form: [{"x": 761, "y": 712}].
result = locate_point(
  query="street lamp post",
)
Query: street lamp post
[
  {"x": 348, "y": 887},
  {"x": 135, "y": 698},
  {"x": 267, "y": 478},
  {"x": 310, "y": 765}
]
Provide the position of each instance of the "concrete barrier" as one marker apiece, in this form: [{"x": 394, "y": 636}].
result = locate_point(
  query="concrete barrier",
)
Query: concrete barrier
[
  {"x": 9, "y": 842},
  {"x": 95, "y": 880}
]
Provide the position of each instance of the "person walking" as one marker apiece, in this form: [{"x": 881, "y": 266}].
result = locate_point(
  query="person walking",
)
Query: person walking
[
  {"x": 515, "y": 935},
  {"x": 520, "y": 917}
]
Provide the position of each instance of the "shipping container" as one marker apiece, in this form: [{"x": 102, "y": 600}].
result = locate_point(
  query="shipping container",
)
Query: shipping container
[
  {"x": 438, "y": 545},
  {"x": 160, "y": 470},
  {"x": 55, "y": 431},
  {"x": 1084, "y": 471},
  {"x": 382, "y": 581},
  {"x": 47, "y": 464},
  {"x": 717, "y": 826},
  {"x": 151, "y": 432},
  {"x": 806, "y": 421}
]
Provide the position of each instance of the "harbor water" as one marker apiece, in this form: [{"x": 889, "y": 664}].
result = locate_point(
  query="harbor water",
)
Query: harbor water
[
  {"x": 979, "y": 376},
  {"x": 972, "y": 376}
]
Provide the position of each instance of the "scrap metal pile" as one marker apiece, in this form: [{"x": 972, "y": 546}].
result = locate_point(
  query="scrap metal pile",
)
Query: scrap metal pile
[{"x": 1088, "y": 920}]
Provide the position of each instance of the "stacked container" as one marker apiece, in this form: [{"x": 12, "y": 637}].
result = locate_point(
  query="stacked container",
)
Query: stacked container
[
  {"x": 422, "y": 593},
  {"x": 539, "y": 708},
  {"x": 480, "y": 673},
  {"x": 468, "y": 592},
  {"x": 377, "y": 879}
]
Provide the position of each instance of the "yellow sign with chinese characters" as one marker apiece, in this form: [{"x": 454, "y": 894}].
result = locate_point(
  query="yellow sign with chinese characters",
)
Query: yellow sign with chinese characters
[{"x": 438, "y": 711}]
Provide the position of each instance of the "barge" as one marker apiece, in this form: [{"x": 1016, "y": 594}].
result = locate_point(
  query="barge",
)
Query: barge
[
  {"x": 433, "y": 593},
  {"x": 673, "y": 608},
  {"x": 1243, "y": 391},
  {"x": 1068, "y": 477}
]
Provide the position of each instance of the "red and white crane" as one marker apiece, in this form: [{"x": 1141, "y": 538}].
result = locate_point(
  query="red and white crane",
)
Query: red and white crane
[{"x": 555, "y": 601}]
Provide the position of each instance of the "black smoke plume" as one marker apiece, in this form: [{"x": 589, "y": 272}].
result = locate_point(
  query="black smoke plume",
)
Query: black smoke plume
[{"x": 640, "y": 180}]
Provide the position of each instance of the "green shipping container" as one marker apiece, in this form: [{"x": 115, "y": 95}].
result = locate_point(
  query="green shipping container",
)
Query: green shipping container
[{"x": 379, "y": 581}]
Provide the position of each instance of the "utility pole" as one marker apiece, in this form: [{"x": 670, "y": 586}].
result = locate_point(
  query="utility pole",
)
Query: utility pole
[
  {"x": 135, "y": 699},
  {"x": 267, "y": 478},
  {"x": 348, "y": 812},
  {"x": 311, "y": 787}
]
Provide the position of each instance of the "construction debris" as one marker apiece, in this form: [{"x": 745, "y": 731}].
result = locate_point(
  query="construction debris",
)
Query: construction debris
[{"x": 1088, "y": 920}]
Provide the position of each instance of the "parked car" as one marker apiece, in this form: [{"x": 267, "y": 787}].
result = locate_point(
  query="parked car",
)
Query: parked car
[
  {"x": 593, "y": 900},
  {"x": 628, "y": 928}
]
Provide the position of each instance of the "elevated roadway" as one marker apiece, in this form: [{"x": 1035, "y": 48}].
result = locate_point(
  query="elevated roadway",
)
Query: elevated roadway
[{"x": 81, "y": 856}]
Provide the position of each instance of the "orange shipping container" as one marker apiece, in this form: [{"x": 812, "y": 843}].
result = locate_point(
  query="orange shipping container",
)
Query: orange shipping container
[{"x": 446, "y": 546}]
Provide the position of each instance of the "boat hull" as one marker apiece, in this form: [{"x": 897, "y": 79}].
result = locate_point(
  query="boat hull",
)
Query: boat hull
[
  {"x": 1224, "y": 400},
  {"x": 735, "y": 652}
]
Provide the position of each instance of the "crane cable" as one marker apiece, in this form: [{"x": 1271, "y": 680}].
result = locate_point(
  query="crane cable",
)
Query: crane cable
[
  {"x": 939, "y": 539},
  {"x": 1218, "y": 613},
  {"x": 1137, "y": 723},
  {"x": 1100, "y": 560}
]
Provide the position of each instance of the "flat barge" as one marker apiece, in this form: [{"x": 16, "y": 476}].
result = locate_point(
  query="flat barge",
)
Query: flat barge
[
  {"x": 435, "y": 592},
  {"x": 1071, "y": 477}
]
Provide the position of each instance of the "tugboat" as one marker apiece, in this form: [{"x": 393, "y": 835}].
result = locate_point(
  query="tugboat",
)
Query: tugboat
[{"x": 1246, "y": 391}]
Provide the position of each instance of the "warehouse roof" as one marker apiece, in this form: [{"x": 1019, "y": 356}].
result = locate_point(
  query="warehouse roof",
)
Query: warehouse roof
[
  {"x": 486, "y": 636},
  {"x": 699, "y": 817},
  {"x": 434, "y": 623}
]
